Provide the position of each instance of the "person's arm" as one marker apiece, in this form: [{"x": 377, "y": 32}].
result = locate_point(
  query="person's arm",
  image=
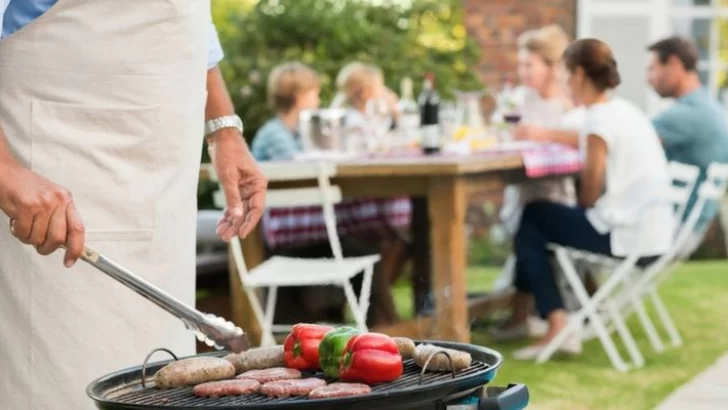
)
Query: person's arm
[
  {"x": 241, "y": 180},
  {"x": 533, "y": 133},
  {"x": 595, "y": 166}
]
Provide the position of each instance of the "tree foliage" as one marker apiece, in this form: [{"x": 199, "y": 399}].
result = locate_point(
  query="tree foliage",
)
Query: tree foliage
[{"x": 404, "y": 38}]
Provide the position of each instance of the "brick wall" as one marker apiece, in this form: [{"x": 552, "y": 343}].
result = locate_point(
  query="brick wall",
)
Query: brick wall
[{"x": 496, "y": 25}]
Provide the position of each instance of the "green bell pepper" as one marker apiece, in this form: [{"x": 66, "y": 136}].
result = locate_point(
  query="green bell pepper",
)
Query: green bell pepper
[{"x": 331, "y": 349}]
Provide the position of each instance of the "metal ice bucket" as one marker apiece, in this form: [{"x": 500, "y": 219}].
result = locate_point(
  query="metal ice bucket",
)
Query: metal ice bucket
[{"x": 322, "y": 129}]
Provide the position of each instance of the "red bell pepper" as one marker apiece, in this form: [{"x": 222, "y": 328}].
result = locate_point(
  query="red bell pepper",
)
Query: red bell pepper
[
  {"x": 301, "y": 348},
  {"x": 371, "y": 358}
]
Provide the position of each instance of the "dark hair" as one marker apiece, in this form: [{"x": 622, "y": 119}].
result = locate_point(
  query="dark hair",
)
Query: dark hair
[
  {"x": 680, "y": 47},
  {"x": 597, "y": 61}
]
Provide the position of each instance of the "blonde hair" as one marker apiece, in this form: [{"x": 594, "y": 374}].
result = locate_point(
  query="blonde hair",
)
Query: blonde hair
[
  {"x": 287, "y": 81},
  {"x": 354, "y": 78},
  {"x": 549, "y": 43}
]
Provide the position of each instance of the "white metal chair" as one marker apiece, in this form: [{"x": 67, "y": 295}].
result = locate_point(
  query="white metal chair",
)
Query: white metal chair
[
  {"x": 684, "y": 177},
  {"x": 281, "y": 271},
  {"x": 687, "y": 239}
]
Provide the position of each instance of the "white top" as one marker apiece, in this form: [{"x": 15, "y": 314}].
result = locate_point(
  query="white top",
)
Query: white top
[
  {"x": 636, "y": 175},
  {"x": 547, "y": 113},
  {"x": 543, "y": 112}
]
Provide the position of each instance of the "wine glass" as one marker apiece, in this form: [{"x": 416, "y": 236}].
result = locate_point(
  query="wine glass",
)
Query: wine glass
[{"x": 381, "y": 117}]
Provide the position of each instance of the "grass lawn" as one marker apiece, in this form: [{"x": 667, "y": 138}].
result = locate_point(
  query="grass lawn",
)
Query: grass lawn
[{"x": 697, "y": 297}]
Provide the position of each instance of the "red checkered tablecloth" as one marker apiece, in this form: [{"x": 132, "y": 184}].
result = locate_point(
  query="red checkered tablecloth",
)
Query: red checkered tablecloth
[
  {"x": 286, "y": 227},
  {"x": 541, "y": 159},
  {"x": 551, "y": 159}
]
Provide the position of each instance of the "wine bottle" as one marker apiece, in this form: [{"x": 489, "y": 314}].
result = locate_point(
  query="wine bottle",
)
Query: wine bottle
[
  {"x": 409, "y": 112},
  {"x": 429, "y": 102}
]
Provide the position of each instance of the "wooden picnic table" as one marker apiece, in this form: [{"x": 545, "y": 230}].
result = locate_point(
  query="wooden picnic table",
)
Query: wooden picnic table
[{"x": 440, "y": 187}]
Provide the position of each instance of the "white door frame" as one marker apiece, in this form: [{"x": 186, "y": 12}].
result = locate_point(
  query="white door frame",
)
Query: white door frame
[
  {"x": 659, "y": 14},
  {"x": 655, "y": 11}
]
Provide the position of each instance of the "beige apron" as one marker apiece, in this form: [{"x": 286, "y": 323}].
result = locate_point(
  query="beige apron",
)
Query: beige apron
[{"x": 106, "y": 98}]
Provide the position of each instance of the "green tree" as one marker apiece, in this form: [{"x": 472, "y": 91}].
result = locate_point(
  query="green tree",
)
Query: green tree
[{"x": 404, "y": 38}]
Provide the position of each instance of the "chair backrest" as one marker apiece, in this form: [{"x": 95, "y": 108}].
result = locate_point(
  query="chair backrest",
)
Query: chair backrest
[
  {"x": 711, "y": 190},
  {"x": 324, "y": 195},
  {"x": 684, "y": 177}
]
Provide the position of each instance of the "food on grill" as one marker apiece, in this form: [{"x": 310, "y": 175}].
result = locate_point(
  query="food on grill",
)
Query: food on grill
[
  {"x": 331, "y": 349},
  {"x": 257, "y": 359},
  {"x": 371, "y": 358},
  {"x": 339, "y": 390},
  {"x": 220, "y": 388},
  {"x": 406, "y": 346},
  {"x": 440, "y": 362},
  {"x": 195, "y": 370},
  {"x": 270, "y": 375},
  {"x": 301, "y": 348},
  {"x": 289, "y": 388}
]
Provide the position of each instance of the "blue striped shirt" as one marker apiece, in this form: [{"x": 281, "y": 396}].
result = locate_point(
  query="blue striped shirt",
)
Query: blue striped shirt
[
  {"x": 274, "y": 141},
  {"x": 15, "y": 14}
]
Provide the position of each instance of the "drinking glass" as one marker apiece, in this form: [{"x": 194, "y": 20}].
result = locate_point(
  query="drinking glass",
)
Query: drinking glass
[{"x": 380, "y": 117}]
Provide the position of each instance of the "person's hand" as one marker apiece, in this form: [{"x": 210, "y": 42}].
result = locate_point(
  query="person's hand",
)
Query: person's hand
[
  {"x": 41, "y": 213},
  {"x": 528, "y": 133},
  {"x": 242, "y": 182}
]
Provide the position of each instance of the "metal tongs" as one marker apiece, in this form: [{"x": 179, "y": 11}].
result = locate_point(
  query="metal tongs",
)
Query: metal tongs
[{"x": 212, "y": 330}]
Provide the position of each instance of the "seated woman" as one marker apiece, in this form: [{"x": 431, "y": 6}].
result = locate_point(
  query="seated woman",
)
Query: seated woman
[
  {"x": 545, "y": 104},
  {"x": 623, "y": 156},
  {"x": 292, "y": 88}
]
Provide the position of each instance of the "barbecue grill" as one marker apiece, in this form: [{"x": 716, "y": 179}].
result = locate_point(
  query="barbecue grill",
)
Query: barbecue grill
[{"x": 128, "y": 389}]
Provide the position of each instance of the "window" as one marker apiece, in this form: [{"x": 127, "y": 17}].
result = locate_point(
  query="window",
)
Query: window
[{"x": 706, "y": 22}]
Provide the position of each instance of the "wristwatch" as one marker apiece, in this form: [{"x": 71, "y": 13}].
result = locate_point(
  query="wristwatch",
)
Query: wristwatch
[{"x": 228, "y": 121}]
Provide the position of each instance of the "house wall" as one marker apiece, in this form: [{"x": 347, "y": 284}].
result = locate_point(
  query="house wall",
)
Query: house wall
[{"x": 496, "y": 26}]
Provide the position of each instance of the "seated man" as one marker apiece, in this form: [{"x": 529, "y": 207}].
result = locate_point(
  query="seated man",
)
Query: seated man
[{"x": 694, "y": 129}]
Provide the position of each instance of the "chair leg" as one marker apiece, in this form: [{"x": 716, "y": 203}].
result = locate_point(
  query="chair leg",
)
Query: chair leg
[
  {"x": 626, "y": 335},
  {"x": 270, "y": 308},
  {"x": 361, "y": 320},
  {"x": 258, "y": 312},
  {"x": 366, "y": 288},
  {"x": 652, "y": 335},
  {"x": 589, "y": 309},
  {"x": 664, "y": 316}
]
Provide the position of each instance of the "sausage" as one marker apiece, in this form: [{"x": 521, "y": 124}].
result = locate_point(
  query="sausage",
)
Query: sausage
[
  {"x": 406, "y": 346},
  {"x": 195, "y": 370},
  {"x": 220, "y": 388},
  {"x": 339, "y": 390},
  {"x": 289, "y": 388},
  {"x": 270, "y": 375},
  {"x": 257, "y": 359},
  {"x": 440, "y": 363}
]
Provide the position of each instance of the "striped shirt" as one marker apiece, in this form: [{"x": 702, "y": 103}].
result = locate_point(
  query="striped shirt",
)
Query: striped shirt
[{"x": 275, "y": 142}]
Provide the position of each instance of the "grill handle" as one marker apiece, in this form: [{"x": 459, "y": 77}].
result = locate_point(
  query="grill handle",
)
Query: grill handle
[
  {"x": 513, "y": 397},
  {"x": 212, "y": 330}
]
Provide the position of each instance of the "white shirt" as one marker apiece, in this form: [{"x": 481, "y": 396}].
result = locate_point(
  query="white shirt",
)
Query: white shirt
[
  {"x": 542, "y": 112},
  {"x": 636, "y": 175}
]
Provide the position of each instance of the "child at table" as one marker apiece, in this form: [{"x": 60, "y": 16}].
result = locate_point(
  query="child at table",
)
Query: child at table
[
  {"x": 358, "y": 84},
  {"x": 292, "y": 88}
]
